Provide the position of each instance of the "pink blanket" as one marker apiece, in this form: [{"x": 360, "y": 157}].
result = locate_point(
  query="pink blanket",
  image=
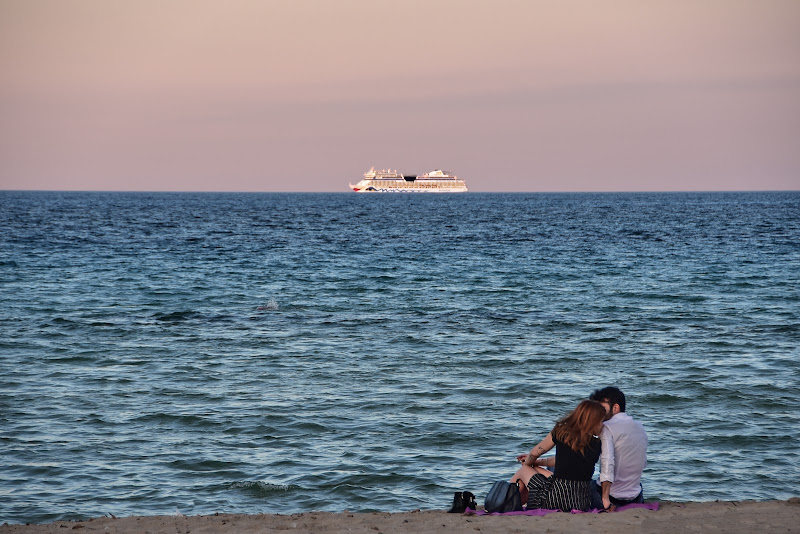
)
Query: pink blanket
[{"x": 539, "y": 511}]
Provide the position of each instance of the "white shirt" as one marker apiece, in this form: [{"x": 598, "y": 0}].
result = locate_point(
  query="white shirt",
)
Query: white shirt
[{"x": 624, "y": 455}]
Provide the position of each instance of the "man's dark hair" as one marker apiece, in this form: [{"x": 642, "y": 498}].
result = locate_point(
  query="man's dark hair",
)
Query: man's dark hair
[{"x": 610, "y": 395}]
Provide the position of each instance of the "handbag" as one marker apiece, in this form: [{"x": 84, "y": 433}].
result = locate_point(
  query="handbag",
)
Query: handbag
[{"x": 503, "y": 497}]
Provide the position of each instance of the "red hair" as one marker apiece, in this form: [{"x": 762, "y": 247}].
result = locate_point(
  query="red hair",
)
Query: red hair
[{"x": 577, "y": 429}]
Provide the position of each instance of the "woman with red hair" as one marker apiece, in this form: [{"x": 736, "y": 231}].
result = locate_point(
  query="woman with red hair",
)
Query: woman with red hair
[{"x": 575, "y": 438}]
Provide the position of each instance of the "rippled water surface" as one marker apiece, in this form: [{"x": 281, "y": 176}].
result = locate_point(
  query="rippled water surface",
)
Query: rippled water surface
[{"x": 290, "y": 352}]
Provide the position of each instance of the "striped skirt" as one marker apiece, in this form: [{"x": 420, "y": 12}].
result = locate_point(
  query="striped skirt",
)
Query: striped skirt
[{"x": 553, "y": 493}]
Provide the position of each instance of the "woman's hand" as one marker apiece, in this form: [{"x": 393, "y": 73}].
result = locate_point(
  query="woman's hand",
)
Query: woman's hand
[{"x": 522, "y": 458}]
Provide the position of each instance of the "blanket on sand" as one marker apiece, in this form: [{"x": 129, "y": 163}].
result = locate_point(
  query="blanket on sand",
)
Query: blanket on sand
[{"x": 540, "y": 511}]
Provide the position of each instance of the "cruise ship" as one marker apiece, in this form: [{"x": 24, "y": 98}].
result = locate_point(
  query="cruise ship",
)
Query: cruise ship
[{"x": 387, "y": 181}]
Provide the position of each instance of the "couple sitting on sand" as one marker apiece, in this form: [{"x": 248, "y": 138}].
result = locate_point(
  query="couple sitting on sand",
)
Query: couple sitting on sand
[{"x": 597, "y": 428}]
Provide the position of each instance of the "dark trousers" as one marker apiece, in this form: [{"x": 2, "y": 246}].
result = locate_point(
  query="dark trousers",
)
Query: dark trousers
[{"x": 596, "y": 496}]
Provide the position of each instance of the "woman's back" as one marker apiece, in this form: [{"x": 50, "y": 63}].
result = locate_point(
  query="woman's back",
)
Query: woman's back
[{"x": 571, "y": 465}]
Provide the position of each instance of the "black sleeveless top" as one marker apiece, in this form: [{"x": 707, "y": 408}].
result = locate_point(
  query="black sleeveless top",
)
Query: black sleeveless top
[{"x": 573, "y": 466}]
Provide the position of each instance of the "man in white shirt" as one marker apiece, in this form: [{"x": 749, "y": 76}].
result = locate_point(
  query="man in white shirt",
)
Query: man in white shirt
[{"x": 624, "y": 454}]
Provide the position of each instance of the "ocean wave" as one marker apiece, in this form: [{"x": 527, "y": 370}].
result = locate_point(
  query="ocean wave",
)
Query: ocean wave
[{"x": 259, "y": 488}]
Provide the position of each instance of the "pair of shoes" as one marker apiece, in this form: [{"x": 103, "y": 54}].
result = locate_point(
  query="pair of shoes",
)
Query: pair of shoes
[{"x": 461, "y": 501}]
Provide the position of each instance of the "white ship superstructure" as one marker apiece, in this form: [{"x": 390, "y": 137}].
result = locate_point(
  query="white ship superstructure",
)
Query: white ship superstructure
[{"x": 388, "y": 181}]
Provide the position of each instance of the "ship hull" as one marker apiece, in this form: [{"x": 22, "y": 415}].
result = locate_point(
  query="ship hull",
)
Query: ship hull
[{"x": 372, "y": 189}]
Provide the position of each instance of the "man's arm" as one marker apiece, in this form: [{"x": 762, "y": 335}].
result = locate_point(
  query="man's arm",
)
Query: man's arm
[{"x": 607, "y": 463}]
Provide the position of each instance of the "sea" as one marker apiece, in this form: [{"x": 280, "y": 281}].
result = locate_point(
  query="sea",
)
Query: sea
[{"x": 201, "y": 353}]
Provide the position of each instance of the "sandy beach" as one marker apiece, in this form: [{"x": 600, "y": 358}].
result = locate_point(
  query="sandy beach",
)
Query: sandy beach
[{"x": 728, "y": 517}]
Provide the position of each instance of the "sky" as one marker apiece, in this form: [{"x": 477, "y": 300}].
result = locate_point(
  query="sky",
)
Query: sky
[{"x": 307, "y": 95}]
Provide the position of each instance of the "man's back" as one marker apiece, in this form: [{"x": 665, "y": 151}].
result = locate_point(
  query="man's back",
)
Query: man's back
[{"x": 624, "y": 454}]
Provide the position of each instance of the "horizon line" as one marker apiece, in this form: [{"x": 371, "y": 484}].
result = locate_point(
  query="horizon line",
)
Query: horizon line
[{"x": 400, "y": 193}]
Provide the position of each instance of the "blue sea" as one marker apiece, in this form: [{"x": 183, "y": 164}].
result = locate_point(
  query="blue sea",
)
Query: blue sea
[{"x": 277, "y": 353}]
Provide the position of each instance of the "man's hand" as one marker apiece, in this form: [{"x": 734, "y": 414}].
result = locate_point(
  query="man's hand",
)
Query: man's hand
[{"x": 606, "y": 494}]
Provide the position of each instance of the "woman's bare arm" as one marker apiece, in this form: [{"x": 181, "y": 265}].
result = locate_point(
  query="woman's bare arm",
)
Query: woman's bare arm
[{"x": 539, "y": 449}]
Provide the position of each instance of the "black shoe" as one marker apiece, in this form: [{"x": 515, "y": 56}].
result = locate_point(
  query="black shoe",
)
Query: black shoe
[
  {"x": 469, "y": 501},
  {"x": 458, "y": 504}
]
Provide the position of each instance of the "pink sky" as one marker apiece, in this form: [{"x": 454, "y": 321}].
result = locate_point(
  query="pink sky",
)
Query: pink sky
[{"x": 298, "y": 95}]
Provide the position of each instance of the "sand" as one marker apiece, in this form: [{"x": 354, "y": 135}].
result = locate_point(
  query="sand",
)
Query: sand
[{"x": 728, "y": 517}]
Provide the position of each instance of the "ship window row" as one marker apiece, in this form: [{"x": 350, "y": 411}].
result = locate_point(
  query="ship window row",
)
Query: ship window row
[
  {"x": 415, "y": 181},
  {"x": 411, "y": 184}
]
